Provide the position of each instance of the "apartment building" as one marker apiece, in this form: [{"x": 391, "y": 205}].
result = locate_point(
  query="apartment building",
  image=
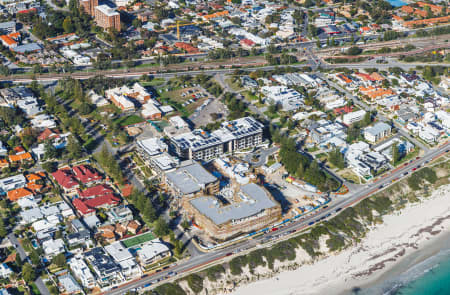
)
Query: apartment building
[
  {"x": 376, "y": 132},
  {"x": 251, "y": 208},
  {"x": 353, "y": 117},
  {"x": 231, "y": 136},
  {"x": 191, "y": 178},
  {"x": 107, "y": 17},
  {"x": 89, "y": 6}
]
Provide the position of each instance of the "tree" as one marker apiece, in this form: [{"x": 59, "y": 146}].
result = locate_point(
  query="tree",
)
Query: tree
[
  {"x": 185, "y": 224},
  {"x": 50, "y": 151},
  {"x": 355, "y": 50},
  {"x": 60, "y": 260},
  {"x": 3, "y": 231},
  {"x": 178, "y": 247},
  {"x": 37, "y": 69},
  {"x": 73, "y": 147},
  {"x": 395, "y": 154},
  {"x": 34, "y": 257},
  {"x": 28, "y": 273},
  {"x": 4, "y": 70},
  {"x": 337, "y": 158},
  {"x": 161, "y": 227},
  {"x": 68, "y": 25},
  {"x": 149, "y": 211},
  {"x": 49, "y": 166}
]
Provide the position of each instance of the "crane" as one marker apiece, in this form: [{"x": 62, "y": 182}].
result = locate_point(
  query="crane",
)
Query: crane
[{"x": 178, "y": 25}]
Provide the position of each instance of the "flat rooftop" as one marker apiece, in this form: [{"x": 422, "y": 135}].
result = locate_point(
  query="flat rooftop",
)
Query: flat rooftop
[
  {"x": 190, "y": 178},
  {"x": 254, "y": 200}
]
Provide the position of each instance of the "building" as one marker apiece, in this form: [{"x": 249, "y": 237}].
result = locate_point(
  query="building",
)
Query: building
[
  {"x": 249, "y": 209},
  {"x": 53, "y": 247},
  {"x": 151, "y": 147},
  {"x": 192, "y": 178},
  {"x": 104, "y": 267},
  {"x": 353, "y": 117},
  {"x": 120, "y": 214},
  {"x": 231, "y": 136},
  {"x": 376, "y": 132},
  {"x": 12, "y": 182},
  {"x": 152, "y": 251},
  {"x": 125, "y": 259},
  {"x": 89, "y": 6},
  {"x": 107, "y": 17},
  {"x": 120, "y": 100},
  {"x": 288, "y": 98},
  {"x": 68, "y": 284},
  {"x": 8, "y": 27},
  {"x": 89, "y": 206}
]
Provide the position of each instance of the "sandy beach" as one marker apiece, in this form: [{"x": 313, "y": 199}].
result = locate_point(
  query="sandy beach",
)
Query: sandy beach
[{"x": 403, "y": 234}]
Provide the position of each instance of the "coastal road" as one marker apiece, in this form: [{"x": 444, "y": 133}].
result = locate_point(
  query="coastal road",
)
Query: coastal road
[{"x": 342, "y": 202}]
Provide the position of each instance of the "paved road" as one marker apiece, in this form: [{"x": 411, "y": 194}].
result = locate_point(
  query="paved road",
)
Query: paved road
[
  {"x": 24, "y": 257},
  {"x": 362, "y": 192}
]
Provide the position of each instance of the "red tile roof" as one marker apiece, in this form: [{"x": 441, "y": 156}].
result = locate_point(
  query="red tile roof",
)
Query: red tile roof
[
  {"x": 86, "y": 174},
  {"x": 82, "y": 207},
  {"x": 95, "y": 191},
  {"x": 86, "y": 206},
  {"x": 48, "y": 134},
  {"x": 65, "y": 178}
]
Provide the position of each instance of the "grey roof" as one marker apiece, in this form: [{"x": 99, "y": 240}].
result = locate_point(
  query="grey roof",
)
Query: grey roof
[
  {"x": 7, "y": 25},
  {"x": 27, "y": 48},
  {"x": 254, "y": 201},
  {"x": 190, "y": 178},
  {"x": 378, "y": 128}
]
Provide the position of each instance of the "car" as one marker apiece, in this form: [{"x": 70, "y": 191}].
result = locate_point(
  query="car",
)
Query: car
[
  {"x": 325, "y": 207},
  {"x": 414, "y": 169},
  {"x": 311, "y": 223},
  {"x": 158, "y": 270},
  {"x": 166, "y": 267},
  {"x": 406, "y": 173},
  {"x": 380, "y": 187},
  {"x": 229, "y": 254},
  {"x": 338, "y": 209},
  {"x": 417, "y": 158},
  {"x": 147, "y": 285},
  {"x": 144, "y": 276},
  {"x": 275, "y": 229}
]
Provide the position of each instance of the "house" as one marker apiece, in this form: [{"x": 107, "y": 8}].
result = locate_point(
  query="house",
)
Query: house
[
  {"x": 16, "y": 194},
  {"x": 81, "y": 271},
  {"x": 123, "y": 257},
  {"x": 89, "y": 206},
  {"x": 152, "y": 251},
  {"x": 86, "y": 174},
  {"x": 53, "y": 247},
  {"x": 5, "y": 271},
  {"x": 95, "y": 191},
  {"x": 133, "y": 226},
  {"x": 378, "y": 131},
  {"x": 68, "y": 285},
  {"x": 120, "y": 214},
  {"x": 104, "y": 267},
  {"x": 79, "y": 238},
  {"x": 20, "y": 158},
  {"x": 12, "y": 182},
  {"x": 65, "y": 178}
]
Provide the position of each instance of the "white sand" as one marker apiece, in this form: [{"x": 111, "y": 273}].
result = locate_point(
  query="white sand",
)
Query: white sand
[{"x": 401, "y": 234}]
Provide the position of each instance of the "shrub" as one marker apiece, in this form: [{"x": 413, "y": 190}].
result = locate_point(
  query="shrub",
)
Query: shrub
[{"x": 195, "y": 282}]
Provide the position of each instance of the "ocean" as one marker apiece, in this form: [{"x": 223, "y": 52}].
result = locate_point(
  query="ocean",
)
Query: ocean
[{"x": 424, "y": 273}]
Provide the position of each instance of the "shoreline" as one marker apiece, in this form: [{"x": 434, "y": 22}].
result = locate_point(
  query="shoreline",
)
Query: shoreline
[{"x": 404, "y": 239}]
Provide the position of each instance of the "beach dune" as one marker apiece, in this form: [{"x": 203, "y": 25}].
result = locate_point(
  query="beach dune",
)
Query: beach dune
[{"x": 385, "y": 245}]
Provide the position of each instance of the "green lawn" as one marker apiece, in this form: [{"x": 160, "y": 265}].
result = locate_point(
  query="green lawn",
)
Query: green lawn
[
  {"x": 140, "y": 239},
  {"x": 129, "y": 120}
]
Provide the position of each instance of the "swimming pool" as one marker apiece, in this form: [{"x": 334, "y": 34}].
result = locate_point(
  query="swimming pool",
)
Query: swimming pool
[{"x": 396, "y": 3}]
